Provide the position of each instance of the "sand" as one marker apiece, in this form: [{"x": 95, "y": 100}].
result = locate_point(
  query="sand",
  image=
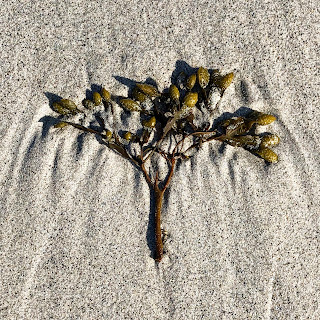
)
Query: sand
[{"x": 243, "y": 237}]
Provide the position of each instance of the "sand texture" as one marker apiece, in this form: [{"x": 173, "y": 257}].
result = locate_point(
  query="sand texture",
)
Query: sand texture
[{"x": 244, "y": 240}]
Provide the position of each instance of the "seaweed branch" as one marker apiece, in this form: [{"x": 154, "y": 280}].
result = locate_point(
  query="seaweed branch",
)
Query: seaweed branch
[{"x": 182, "y": 114}]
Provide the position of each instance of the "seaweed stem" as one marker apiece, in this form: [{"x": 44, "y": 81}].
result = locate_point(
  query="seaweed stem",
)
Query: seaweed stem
[{"x": 158, "y": 193}]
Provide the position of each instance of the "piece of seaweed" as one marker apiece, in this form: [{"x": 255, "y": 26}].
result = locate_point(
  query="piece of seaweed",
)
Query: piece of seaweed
[{"x": 175, "y": 123}]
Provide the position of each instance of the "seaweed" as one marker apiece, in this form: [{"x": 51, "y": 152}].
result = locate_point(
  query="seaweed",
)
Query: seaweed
[{"x": 168, "y": 128}]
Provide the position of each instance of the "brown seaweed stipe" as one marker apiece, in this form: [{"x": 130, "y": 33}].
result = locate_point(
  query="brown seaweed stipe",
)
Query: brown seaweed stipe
[{"x": 171, "y": 115}]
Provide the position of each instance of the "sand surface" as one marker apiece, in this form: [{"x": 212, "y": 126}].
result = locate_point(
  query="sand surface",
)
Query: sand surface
[{"x": 74, "y": 216}]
